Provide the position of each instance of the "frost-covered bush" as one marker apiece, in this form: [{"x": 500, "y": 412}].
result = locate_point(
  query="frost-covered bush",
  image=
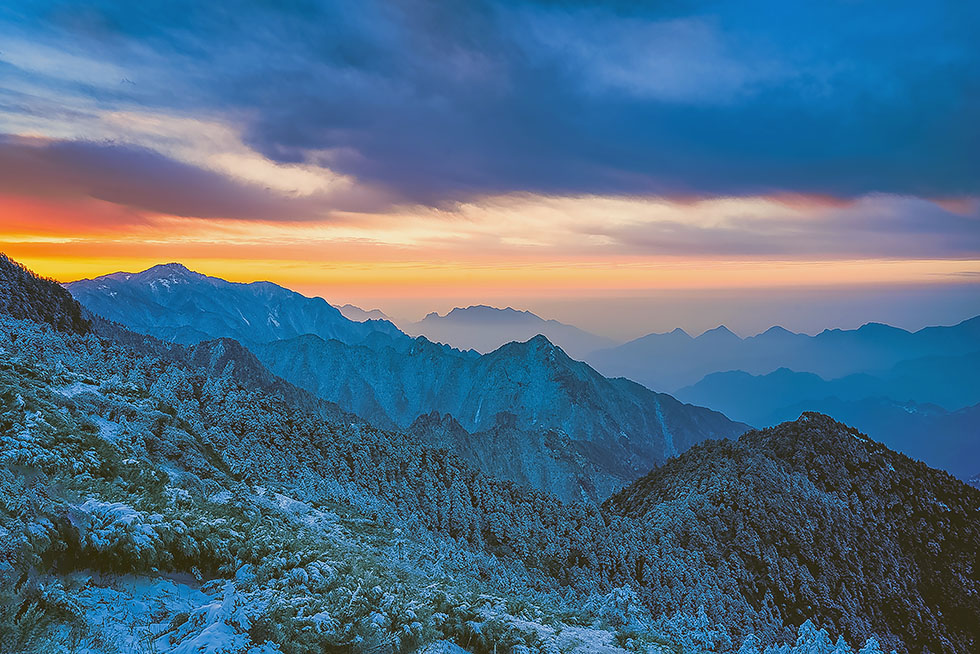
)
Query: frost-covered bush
[
  {"x": 621, "y": 607},
  {"x": 37, "y": 613},
  {"x": 118, "y": 537},
  {"x": 810, "y": 640},
  {"x": 464, "y": 623},
  {"x": 221, "y": 626}
]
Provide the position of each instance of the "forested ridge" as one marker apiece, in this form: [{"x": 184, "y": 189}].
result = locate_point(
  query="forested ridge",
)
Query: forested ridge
[
  {"x": 813, "y": 518},
  {"x": 25, "y": 295}
]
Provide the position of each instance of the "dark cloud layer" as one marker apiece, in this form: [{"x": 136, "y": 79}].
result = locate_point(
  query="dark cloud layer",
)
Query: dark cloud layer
[
  {"x": 137, "y": 178},
  {"x": 439, "y": 101}
]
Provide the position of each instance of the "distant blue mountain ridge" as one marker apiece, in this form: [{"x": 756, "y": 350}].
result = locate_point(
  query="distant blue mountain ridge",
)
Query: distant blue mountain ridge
[
  {"x": 674, "y": 360},
  {"x": 928, "y": 407}
]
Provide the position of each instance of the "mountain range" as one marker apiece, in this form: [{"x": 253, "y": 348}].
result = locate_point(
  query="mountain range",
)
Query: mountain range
[
  {"x": 484, "y": 329},
  {"x": 928, "y": 407},
  {"x": 577, "y": 434},
  {"x": 175, "y": 304},
  {"x": 674, "y": 360},
  {"x": 528, "y": 404},
  {"x": 185, "y": 499},
  {"x": 951, "y": 382},
  {"x": 562, "y": 415}
]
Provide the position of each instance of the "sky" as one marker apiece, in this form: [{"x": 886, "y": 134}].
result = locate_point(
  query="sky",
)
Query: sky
[{"x": 626, "y": 166}]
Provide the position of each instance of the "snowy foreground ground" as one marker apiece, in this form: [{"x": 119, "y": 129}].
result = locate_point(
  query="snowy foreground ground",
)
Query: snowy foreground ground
[
  {"x": 131, "y": 614},
  {"x": 138, "y": 615}
]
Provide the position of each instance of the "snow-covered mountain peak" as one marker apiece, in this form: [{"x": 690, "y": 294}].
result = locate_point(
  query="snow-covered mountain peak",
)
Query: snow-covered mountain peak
[
  {"x": 173, "y": 303},
  {"x": 173, "y": 267},
  {"x": 160, "y": 276},
  {"x": 168, "y": 270}
]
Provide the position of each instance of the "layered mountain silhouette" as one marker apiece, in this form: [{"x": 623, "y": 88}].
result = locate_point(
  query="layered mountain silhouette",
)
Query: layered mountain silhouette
[
  {"x": 670, "y": 361},
  {"x": 925, "y": 407},
  {"x": 600, "y": 433},
  {"x": 915, "y": 391},
  {"x": 484, "y": 329},
  {"x": 540, "y": 414},
  {"x": 358, "y": 314},
  {"x": 952, "y": 382}
]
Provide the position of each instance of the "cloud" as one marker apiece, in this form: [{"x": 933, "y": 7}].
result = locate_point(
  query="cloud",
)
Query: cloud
[
  {"x": 140, "y": 179},
  {"x": 873, "y": 226},
  {"x": 438, "y": 102}
]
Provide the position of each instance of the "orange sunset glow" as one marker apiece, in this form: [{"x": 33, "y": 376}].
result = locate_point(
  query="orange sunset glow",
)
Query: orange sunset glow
[{"x": 506, "y": 248}]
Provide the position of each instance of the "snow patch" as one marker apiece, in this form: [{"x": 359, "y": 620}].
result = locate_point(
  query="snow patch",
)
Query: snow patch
[
  {"x": 169, "y": 616},
  {"x": 132, "y": 611},
  {"x": 76, "y": 389},
  {"x": 108, "y": 430}
]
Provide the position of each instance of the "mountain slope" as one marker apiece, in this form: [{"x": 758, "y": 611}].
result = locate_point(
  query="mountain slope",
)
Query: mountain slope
[
  {"x": 162, "y": 509},
  {"x": 948, "y": 440},
  {"x": 484, "y": 329},
  {"x": 24, "y": 295},
  {"x": 811, "y": 517},
  {"x": 670, "y": 361},
  {"x": 547, "y": 460},
  {"x": 175, "y": 304},
  {"x": 515, "y": 396}
]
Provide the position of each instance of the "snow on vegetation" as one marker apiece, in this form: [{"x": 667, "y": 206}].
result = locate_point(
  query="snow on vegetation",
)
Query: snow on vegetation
[{"x": 167, "y": 509}]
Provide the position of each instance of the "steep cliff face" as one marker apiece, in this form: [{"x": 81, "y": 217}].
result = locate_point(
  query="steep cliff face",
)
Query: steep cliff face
[
  {"x": 545, "y": 459},
  {"x": 543, "y": 419}
]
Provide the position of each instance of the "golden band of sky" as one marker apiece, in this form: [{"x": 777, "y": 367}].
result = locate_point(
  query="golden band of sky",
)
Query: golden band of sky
[{"x": 501, "y": 248}]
